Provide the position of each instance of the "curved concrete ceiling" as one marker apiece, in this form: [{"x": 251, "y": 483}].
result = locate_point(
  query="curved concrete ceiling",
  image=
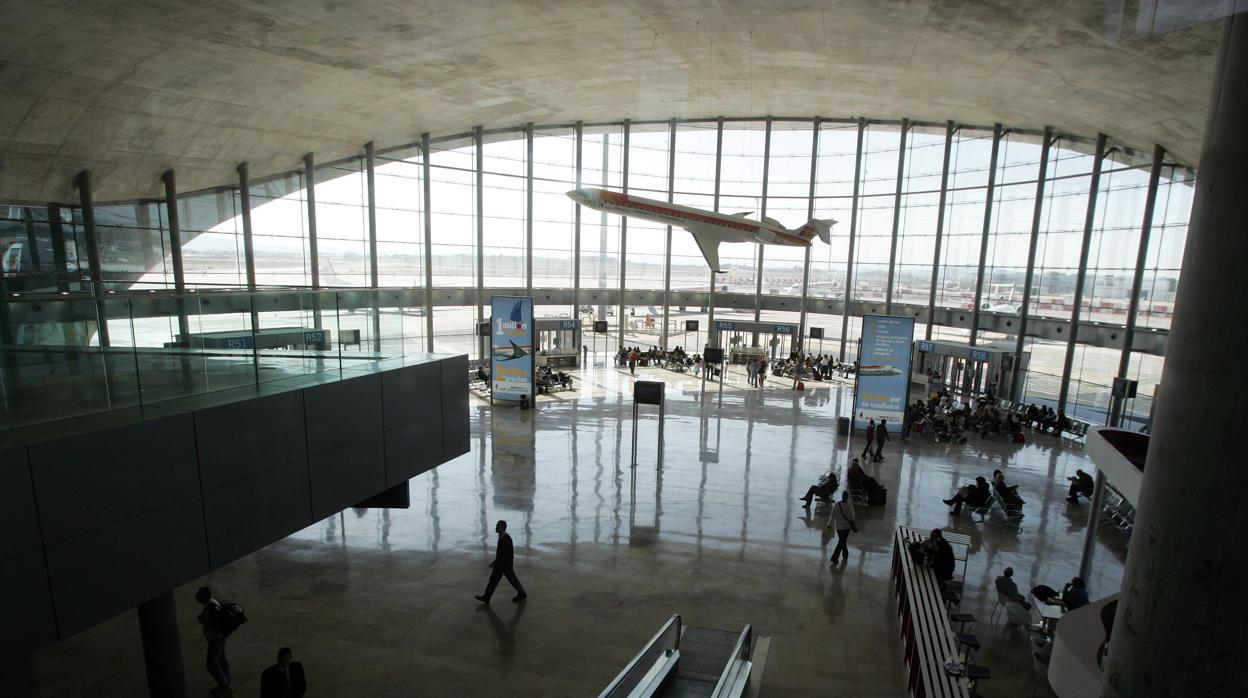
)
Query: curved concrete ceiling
[{"x": 130, "y": 88}]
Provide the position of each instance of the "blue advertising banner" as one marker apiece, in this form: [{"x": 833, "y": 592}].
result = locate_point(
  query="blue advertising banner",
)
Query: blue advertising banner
[
  {"x": 511, "y": 342},
  {"x": 884, "y": 370}
]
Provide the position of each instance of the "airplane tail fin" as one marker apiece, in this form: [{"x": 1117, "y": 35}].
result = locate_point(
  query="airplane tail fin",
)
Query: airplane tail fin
[{"x": 820, "y": 227}]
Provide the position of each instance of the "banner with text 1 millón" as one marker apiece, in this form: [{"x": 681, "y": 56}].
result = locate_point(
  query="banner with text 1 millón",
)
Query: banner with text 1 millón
[
  {"x": 511, "y": 343},
  {"x": 883, "y": 370}
]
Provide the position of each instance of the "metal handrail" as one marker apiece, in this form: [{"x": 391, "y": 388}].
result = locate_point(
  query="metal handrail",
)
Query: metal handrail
[
  {"x": 744, "y": 647},
  {"x": 675, "y": 619}
]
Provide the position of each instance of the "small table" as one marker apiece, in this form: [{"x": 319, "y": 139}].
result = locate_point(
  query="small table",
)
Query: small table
[{"x": 1049, "y": 614}]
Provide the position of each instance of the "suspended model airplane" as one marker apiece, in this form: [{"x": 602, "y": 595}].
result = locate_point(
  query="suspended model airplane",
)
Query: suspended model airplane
[{"x": 707, "y": 227}]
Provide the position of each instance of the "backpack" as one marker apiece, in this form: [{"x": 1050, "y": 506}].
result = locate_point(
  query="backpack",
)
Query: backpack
[{"x": 230, "y": 617}]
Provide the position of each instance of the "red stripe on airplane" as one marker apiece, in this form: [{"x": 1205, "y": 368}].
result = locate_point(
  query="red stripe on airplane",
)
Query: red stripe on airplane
[{"x": 725, "y": 221}]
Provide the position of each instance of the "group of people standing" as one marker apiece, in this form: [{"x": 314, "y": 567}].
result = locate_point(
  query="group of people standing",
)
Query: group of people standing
[
  {"x": 756, "y": 369},
  {"x": 876, "y": 436}
]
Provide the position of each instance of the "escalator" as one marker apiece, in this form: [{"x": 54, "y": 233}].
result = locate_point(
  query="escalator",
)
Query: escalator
[{"x": 687, "y": 663}]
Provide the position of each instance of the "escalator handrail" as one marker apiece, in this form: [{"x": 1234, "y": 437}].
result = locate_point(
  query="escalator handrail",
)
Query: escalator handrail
[
  {"x": 675, "y": 619},
  {"x": 744, "y": 647}
]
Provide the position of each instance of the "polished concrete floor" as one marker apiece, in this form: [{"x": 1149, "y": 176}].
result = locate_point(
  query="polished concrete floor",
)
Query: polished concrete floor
[{"x": 379, "y": 602}]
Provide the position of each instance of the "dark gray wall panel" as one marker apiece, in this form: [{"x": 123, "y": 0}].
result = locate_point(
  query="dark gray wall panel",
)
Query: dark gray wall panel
[
  {"x": 18, "y": 518},
  {"x": 242, "y": 439},
  {"x": 455, "y": 433},
  {"x": 347, "y": 475},
  {"x": 411, "y": 393},
  {"x": 342, "y": 412},
  {"x": 87, "y": 481},
  {"x": 243, "y": 517},
  {"x": 454, "y": 382},
  {"x": 99, "y": 574},
  {"x": 413, "y": 449},
  {"x": 29, "y": 624}
]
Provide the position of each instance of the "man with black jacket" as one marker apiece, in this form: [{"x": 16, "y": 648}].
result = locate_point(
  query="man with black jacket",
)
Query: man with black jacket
[
  {"x": 502, "y": 567},
  {"x": 284, "y": 679},
  {"x": 212, "y": 621}
]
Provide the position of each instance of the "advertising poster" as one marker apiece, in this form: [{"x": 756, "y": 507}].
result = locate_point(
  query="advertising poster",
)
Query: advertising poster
[
  {"x": 511, "y": 354},
  {"x": 884, "y": 370}
]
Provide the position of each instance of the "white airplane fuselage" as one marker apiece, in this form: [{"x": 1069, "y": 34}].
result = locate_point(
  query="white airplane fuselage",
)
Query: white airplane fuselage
[
  {"x": 707, "y": 227},
  {"x": 725, "y": 227}
]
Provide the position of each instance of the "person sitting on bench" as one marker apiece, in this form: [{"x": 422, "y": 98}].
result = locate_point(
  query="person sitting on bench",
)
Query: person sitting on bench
[
  {"x": 1080, "y": 484},
  {"x": 824, "y": 490},
  {"x": 482, "y": 375},
  {"x": 1007, "y": 493},
  {"x": 940, "y": 554},
  {"x": 860, "y": 480},
  {"x": 974, "y": 496}
]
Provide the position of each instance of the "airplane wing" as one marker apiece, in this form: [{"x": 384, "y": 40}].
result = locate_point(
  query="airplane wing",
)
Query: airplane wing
[{"x": 709, "y": 246}]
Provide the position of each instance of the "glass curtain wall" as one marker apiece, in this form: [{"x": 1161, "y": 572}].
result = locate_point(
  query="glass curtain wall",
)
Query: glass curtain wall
[
  {"x": 649, "y": 148},
  {"x": 554, "y": 214},
  {"x": 398, "y": 189},
  {"x": 505, "y": 210},
  {"x": 788, "y": 203},
  {"x": 453, "y": 212},
  {"x": 694, "y": 186},
  {"x": 920, "y": 206},
  {"x": 135, "y": 248}
]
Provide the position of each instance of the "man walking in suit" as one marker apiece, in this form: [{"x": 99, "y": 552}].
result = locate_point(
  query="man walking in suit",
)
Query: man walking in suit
[
  {"x": 284, "y": 679},
  {"x": 502, "y": 567}
]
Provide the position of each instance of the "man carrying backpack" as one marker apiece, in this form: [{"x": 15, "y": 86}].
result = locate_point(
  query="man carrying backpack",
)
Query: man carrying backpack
[{"x": 218, "y": 620}]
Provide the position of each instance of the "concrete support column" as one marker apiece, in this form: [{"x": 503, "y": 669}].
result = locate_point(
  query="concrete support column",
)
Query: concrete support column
[
  {"x": 712, "y": 336},
  {"x": 83, "y": 181},
  {"x": 623, "y": 323},
  {"x": 314, "y": 259},
  {"x": 375, "y": 303},
  {"x": 175, "y": 250},
  {"x": 1176, "y": 632},
  {"x": 667, "y": 245},
  {"x": 162, "y": 647},
  {"x": 853, "y": 232},
  {"x": 803, "y": 320},
  {"x": 426, "y": 154}
]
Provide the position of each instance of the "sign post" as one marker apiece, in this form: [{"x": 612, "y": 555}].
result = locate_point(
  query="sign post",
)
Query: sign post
[
  {"x": 512, "y": 377},
  {"x": 647, "y": 393}
]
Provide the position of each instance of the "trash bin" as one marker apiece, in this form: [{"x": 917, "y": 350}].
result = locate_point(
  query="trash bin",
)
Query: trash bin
[{"x": 842, "y": 426}]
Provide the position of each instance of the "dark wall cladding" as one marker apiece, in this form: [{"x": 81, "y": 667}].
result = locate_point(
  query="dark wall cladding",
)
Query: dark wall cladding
[{"x": 119, "y": 512}]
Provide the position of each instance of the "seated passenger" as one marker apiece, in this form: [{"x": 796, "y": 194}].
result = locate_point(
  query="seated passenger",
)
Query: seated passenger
[
  {"x": 824, "y": 490},
  {"x": 1015, "y": 603},
  {"x": 1075, "y": 594},
  {"x": 1007, "y": 493},
  {"x": 974, "y": 496},
  {"x": 940, "y": 553},
  {"x": 860, "y": 480},
  {"x": 482, "y": 375},
  {"x": 1080, "y": 484}
]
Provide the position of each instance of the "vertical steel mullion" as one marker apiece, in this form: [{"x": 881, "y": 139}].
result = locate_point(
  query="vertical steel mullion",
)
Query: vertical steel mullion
[
  {"x": 314, "y": 255},
  {"x": 667, "y": 253},
  {"x": 1089, "y": 223},
  {"x": 810, "y": 215},
  {"x": 892, "y": 251},
  {"x": 950, "y": 129},
  {"x": 1036, "y": 213},
  {"x": 309, "y": 186},
  {"x": 990, "y": 192},
  {"x": 710, "y": 299},
  {"x": 479, "y": 199},
  {"x": 576, "y": 230},
  {"x": 249, "y": 253},
  {"x": 528, "y": 208},
  {"x": 175, "y": 250},
  {"x": 428, "y": 216},
  {"x": 853, "y": 232},
  {"x": 758, "y": 273},
  {"x": 60, "y": 261},
  {"x": 249, "y": 250},
  {"x": 1141, "y": 259},
  {"x": 371, "y": 200},
  {"x": 87, "y": 200},
  {"x": 623, "y": 322}
]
